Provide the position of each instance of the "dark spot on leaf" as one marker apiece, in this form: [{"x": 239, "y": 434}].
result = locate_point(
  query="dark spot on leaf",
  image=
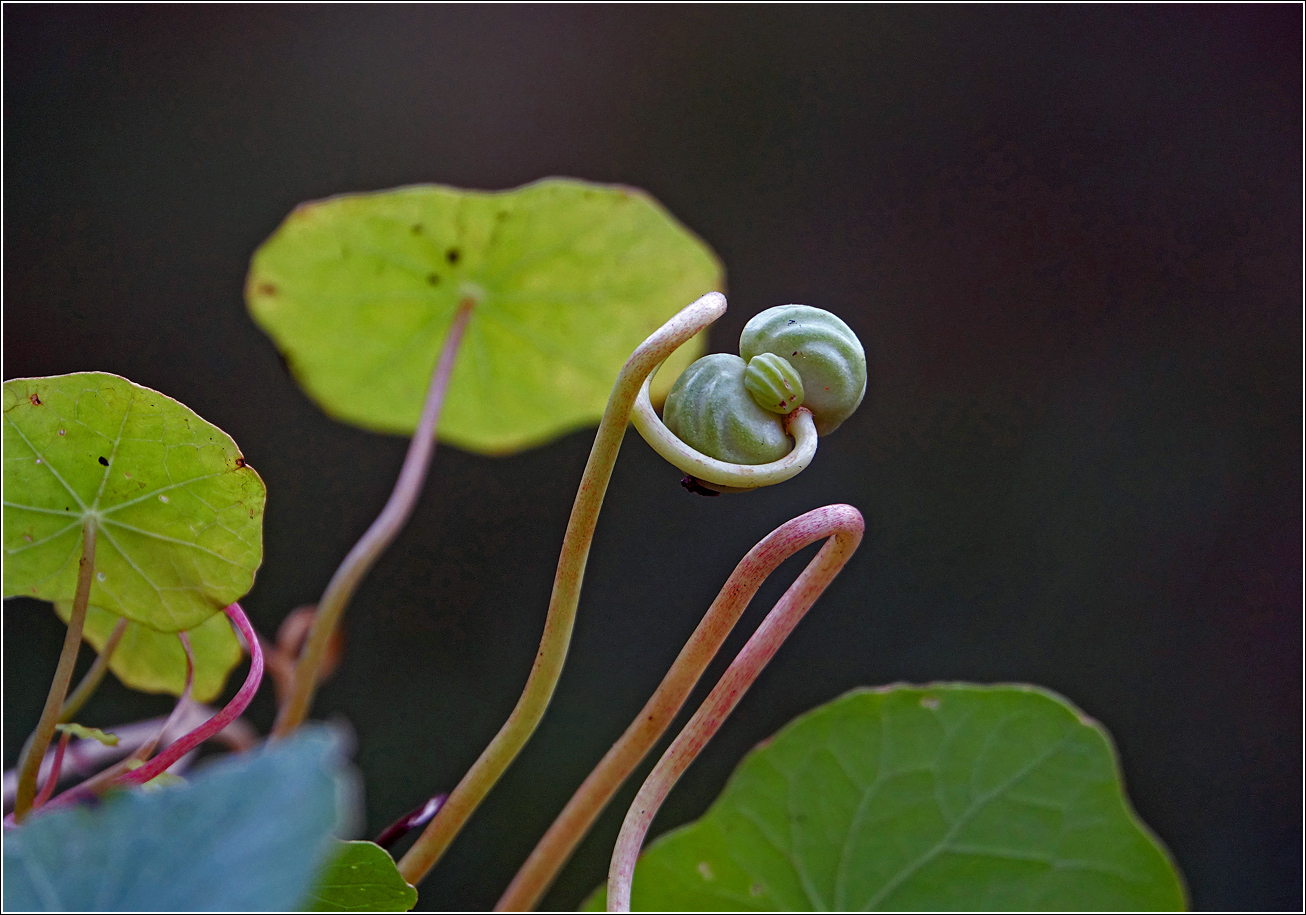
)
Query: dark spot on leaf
[
  {"x": 240, "y": 462},
  {"x": 433, "y": 279},
  {"x": 36, "y": 401},
  {"x": 267, "y": 289},
  {"x": 795, "y": 352},
  {"x": 417, "y": 228},
  {"x": 792, "y": 321},
  {"x": 452, "y": 255},
  {"x": 104, "y": 461}
]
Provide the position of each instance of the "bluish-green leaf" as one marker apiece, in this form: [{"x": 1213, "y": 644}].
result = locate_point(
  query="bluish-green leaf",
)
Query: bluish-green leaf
[
  {"x": 248, "y": 833},
  {"x": 937, "y": 798},
  {"x": 362, "y": 877}
]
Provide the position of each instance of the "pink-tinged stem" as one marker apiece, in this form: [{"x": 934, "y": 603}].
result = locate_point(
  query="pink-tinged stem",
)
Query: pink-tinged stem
[
  {"x": 239, "y": 702},
  {"x": 546, "y": 670},
  {"x": 761, "y": 647},
  {"x": 571, "y": 825},
  {"x": 378, "y": 537},
  {"x": 53, "y": 778}
]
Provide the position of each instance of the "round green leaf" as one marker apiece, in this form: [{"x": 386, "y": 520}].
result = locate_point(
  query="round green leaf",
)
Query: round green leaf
[
  {"x": 567, "y": 278},
  {"x": 154, "y": 662},
  {"x": 361, "y": 877},
  {"x": 937, "y": 798},
  {"x": 179, "y": 515}
]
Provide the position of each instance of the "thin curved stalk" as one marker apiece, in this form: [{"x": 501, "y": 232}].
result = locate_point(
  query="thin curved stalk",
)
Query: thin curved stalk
[
  {"x": 798, "y": 424},
  {"x": 571, "y": 825},
  {"x": 53, "y": 778},
  {"x": 34, "y": 749},
  {"x": 230, "y": 713},
  {"x": 546, "y": 670},
  {"x": 91, "y": 681},
  {"x": 739, "y": 676},
  {"x": 101, "y": 781},
  {"x": 379, "y": 536}
]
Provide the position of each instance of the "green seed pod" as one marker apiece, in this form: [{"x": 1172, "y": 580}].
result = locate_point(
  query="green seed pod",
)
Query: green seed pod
[
  {"x": 710, "y": 409},
  {"x": 774, "y": 383},
  {"x": 827, "y": 354}
]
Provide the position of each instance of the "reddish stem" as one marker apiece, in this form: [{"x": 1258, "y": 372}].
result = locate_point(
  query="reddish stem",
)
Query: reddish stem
[
  {"x": 53, "y": 777},
  {"x": 745, "y": 668},
  {"x": 556, "y": 846},
  {"x": 233, "y": 710}
]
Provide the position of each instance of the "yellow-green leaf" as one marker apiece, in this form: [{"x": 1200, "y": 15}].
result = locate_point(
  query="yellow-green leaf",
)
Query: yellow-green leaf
[
  {"x": 154, "y": 662},
  {"x": 179, "y": 515},
  {"x": 567, "y": 277}
]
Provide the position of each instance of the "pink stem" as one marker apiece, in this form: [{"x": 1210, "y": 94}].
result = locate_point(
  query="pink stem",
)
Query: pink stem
[
  {"x": 571, "y": 825},
  {"x": 53, "y": 777},
  {"x": 234, "y": 708},
  {"x": 745, "y": 668}
]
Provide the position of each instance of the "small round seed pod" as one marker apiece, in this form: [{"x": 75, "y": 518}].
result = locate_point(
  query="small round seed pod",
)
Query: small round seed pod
[
  {"x": 774, "y": 383},
  {"x": 710, "y": 409},
  {"x": 826, "y": 353}
]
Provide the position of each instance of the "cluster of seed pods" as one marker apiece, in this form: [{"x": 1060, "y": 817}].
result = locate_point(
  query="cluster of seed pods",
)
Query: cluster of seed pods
[{"x": 733, "y": 408}]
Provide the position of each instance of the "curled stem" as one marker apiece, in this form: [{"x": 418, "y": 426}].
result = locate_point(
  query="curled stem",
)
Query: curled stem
[
  {"x": 34, "y": 750},
  {"x": 760, "y": 648},
  {"x": 571, "y": 825},
  {"x": 378, "y": 537},
  {"x": 91, "y": 681},
  {"x": 798, "y": 424},
  {"x": 526, "y": 715},
  {"x": 230, "y": 713}
]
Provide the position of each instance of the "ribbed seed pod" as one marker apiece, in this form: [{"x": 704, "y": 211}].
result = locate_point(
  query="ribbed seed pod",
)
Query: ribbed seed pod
[
  {"x": 710, "y": 409},
  {"x": 824, "y": 350},
  {"x": 774, "y": 383}
]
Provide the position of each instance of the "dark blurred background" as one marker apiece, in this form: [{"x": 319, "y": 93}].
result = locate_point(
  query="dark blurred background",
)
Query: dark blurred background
[{"x": 1069, "y": 237}]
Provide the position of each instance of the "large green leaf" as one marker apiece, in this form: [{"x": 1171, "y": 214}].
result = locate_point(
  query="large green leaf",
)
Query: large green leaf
[
  {"x": 179, "y": 515},
  {"x": 154, "y": 662},
  {"x": 568, "y": 277},
  {"x": 942, "y": 797},
  {"x": 362, "y": 877},
  {"x": 248, "y": 833}
]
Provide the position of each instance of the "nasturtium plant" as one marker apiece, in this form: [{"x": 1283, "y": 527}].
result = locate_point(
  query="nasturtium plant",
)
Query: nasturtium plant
[
  {"x": 361, "y": 877},
  {"x": 248, "y": 833},
  {"x": 178, "y": 514},
  {"x": 565, "y": 279},
  {"x": 154, "y": 662},
  {"x": 931, "y": 798}
]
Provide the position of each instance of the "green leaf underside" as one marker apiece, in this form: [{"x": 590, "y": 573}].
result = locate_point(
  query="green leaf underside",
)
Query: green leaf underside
[
  {"x": 358, "y": 292},
  {"x": 248, "y": 833},
  {"x": 82, "y": 732},
  {"x": 180, "y": 516},
  {"x": 362, "y": 877},
  {"x": 154, "y": 662},
  {"x": 943, "y": 797}
]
